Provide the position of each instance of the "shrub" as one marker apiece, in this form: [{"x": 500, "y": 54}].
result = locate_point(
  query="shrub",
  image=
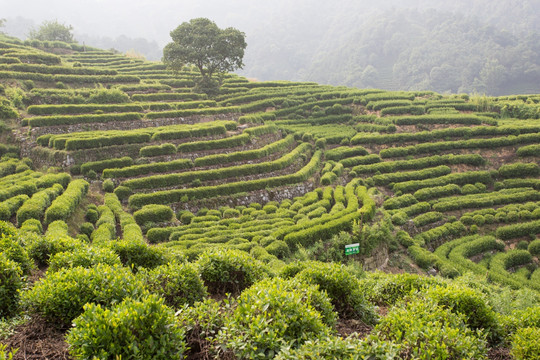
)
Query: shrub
[
  {"x": 278, "y": 248},
  {"x": 85, "y": 257},
  {"x": 108, "y": 186},
  {"x": 428, "y": 331},
  {"x": 99, "y": 166},
  {"x": 133, "y": 329},
  {"x": 334, "y": 347},
  {"x": 87, "y": 228},
  {"x": 10, "y": 285},
  {"x": 123, "y": 192},
  {"x": 91, "y": 175},
  {"x": 271, "y": 315},
  {"x": 399, "y": 218},
  {"x": 534, "y": 247},
  {"x": 32, "y": 226},
  {"x": 470, "y": 303},
  {"x": 390, "y": 289},
  {"x": 525, "y": 343},
  {"x": 64, "y": 205},
  {"x": 342, "y": 288},
  {"x": 108, "y": 96},
  {"x": 13, "y": 250},
  {"x": 157, "y": 150},
  {"x": 517, "y": 170},
  {"x": 60, "y": 296},
  {"x": 230, "y": 271},
  {"x": 35, "y": 207},
  {"x": 42, "y": 248},
  {"x": 10, "y": 206},
  {"x": 135, "y": 254},
  {"x": 404, "y": 238},
  {"x": 153, "y": 213},
  {"x": 178, "y": 284},
  {"x": 92, "y": 215},
  {"x": 186, "y": 217},
  {"x": 202, "y": 322}
]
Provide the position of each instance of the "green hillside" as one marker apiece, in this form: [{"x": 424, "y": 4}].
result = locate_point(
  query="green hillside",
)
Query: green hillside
[{"x": 142, "y": 219}]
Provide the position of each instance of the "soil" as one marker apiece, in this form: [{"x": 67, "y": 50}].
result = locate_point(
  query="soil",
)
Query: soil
[
  {"x": 346, "y": 327},
  {"x": 499, "y": 353},
  {"x": 37, "y": 339}
]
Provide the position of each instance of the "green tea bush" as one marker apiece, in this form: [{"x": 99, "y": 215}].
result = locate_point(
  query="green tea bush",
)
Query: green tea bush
[
  {"x": 342, "y": 288},
  {"x": 534, "y": 247},
  {"x": 428, "y": 331},
  {"x": 54, "y": 120},
  {"x": 135, "y": 254},
  {"x": 132, "y": 329},
  {"x": 525, "y": 343},
  {"x": 32, "y": 226},
  {"x": 10, "y": 206},
  {"x": 85, "y": 257},
  {"x": 178, "y": 284},
  {"x": 202, "y": 322},
  {"x": 230, "y": 271},
  {"x": 11, "y": 247},
  {"x": 153, "y": 213},
  {"x": 10, "y": 286},
  {"x": 107, "y": 186},
  {"x": 334, "y": 347},
  {"x": 86, "y": 228},
  {"x": 157, "y": 150},
  {"x": 518, "y": 169},
  {"x": 123, "y": 192},
  {"x": 41, "y": 248},
  {"x": 35, "y": 207},
  {"x": 383, "y": 289},
  {"x": 99, "y": 166},
  {"x": 60, "y": 296},
  {"x": 477, "y": 313},
  {"x": 143, "y": 169},
  {"x": 269, "y": 316},
  {"x": 278, "y": 248},
  {"x": 64, "y": 205}
]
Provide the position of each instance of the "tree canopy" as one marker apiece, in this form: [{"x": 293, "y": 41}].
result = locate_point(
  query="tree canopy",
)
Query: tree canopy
[
  {"x": 53, "y": 31},
  {"x": 200, "y": 42}
]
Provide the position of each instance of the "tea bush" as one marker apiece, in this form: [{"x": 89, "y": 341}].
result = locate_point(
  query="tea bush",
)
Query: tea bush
[
  {"x": 270, "y": 316},
  {"x": 428, "y": 331},
  {"x": 85, "y": 257},
  {"x": 230, "y": 271},
  {"x": 178, "y": 284},
  {"x": 342, "y": 288},
  {"x": 60, "y": 296},
  {"x": 153, "y": 213},
  {"x": 333, "y": 347},
  {"x": 10, "y": 285},
  {"x": 133, "y": 329},
  {"x": 136, "y": 253},
  {"x": 12, "y": 247},
  {"x": 525, "y": 343}
]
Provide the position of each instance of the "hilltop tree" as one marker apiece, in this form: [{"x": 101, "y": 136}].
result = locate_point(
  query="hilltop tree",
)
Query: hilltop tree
[
  {"x": 213, "y": 51},
  {"x": 53, "y": 31}
]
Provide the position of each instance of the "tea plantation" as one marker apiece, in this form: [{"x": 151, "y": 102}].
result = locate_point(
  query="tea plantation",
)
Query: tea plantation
[{"x": 142, "y": 220}]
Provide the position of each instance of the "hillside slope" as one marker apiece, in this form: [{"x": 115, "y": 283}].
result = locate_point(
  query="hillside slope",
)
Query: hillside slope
[{"x": 123, "y": 191}]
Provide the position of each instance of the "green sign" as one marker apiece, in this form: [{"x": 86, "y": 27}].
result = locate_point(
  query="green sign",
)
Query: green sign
[{"x": 352, "y": 249}]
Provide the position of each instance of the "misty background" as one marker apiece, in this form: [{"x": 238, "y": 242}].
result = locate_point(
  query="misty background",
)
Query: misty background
[{"x": 474, "y": 46}]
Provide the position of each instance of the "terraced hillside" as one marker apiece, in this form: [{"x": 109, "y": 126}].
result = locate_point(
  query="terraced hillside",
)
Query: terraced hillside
[{"x": 116, "y": 161}]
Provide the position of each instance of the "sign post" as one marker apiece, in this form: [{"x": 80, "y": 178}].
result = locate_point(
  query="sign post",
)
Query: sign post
[{"x": 352, "y": 249}]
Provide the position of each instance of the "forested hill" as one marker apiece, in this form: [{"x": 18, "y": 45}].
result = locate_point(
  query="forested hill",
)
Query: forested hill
[{"x": 457, "y": 48}]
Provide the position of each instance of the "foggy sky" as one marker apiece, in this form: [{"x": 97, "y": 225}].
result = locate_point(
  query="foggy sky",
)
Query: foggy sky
[
  {"x": 154, "y": 19},
  {"x": 291, "y": 33}
]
